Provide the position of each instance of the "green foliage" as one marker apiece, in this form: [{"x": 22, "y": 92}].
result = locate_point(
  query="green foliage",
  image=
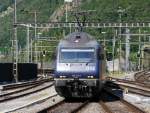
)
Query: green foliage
[
  {"x": 4, "y": 4},
  {"x": 132, "y": 10},
  {"x": 25, "y": 9},
  {"x": 105, "y": 11}
]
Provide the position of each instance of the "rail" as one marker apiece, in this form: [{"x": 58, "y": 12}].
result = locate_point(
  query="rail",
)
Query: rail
[
  {"x": 24, "y": 92},
  {"x": 132, "y": 86},
  {"x": 23, "y": 84},
  {"x": 129, "y": 107}
]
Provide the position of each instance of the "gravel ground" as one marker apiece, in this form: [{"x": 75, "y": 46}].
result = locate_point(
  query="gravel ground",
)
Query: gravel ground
[
  {"x": 26, "y": 100},
  {"x": 40, "y": 106},
  {"x": 117, "y": 107},
  {"x": 93, "y": 108},
  {"x": 138, "y": 100},
  {"x": 66, "y": 107}
]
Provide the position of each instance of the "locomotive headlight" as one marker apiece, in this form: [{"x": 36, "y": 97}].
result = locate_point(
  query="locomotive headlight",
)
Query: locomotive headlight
[
  {"x": 62, "y": 76},
  {"x": 90, "y": 76}
]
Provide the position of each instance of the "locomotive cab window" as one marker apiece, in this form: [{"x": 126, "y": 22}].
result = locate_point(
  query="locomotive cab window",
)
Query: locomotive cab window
[{"x": 77, "y": 55}]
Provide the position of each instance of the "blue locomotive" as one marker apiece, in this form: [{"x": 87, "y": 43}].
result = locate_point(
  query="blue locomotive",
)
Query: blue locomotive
[{"x": 80, "y": 66}]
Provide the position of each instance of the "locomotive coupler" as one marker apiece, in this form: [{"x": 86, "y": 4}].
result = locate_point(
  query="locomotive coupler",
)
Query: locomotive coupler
[{"x": 78, "y": 88}]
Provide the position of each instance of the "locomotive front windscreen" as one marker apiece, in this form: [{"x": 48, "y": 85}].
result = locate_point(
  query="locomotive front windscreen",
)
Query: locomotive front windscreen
[{"x": 77, "y": 55}]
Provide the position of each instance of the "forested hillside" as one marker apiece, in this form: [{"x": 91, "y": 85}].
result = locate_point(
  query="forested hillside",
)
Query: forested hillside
[
  {"x": 103, "y": 11},
  {"x": 108, "y": 10},
  {"x": 25, "y": 13}
]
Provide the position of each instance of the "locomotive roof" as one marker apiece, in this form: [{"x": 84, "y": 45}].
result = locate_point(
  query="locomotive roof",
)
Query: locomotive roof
[
  {"x": 78, "y": 39},
  {"x": 83, "y": 36}
]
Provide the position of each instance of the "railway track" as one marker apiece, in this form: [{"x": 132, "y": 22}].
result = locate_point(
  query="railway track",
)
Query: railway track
[
  {"x": 32, "y": 105},
  {"x": 143, "y": 77},
  {"x": 65, "y": 107},
  {"x": 117, "y": 104},
  {"x": 135, "y": 89},
  {"x": 109, "y": 103},
  {"x": 23, "y": 84},
  {"x": 129, "y": 81},
  {"x": 45, "y": 71},
  {"x": 6, "y": 96},
  {"x": 132, "y": 86},
  {"x": 26, "y": 98}
]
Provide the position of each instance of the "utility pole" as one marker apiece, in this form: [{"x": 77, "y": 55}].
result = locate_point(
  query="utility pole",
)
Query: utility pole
[
  {"x": 35, "y": 31},
  {"x": 66, "y": 12},
  {"x": 35, "y": 27},
  {"x": 139, "y": 51},
  {"x": 36, "y": 53},
  {"x": 15, "y": 44},
  {"x": 114, "y": 44},
  {"x": 28, "y": 42},
  {"x": 66, "y": 5},
  {"x": 142, "y": 55},
  {"x": 31, "y": 57},
  {"x": 120, "y": 11},
  {"x": 127, "y": 49}
]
